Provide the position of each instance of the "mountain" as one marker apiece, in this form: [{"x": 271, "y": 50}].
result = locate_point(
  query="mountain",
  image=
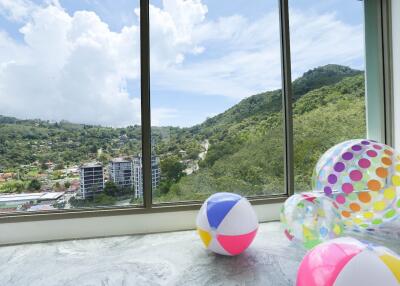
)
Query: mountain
[
  {"x": 246, "y": 153},
  {"x": 246, "y": 141}
]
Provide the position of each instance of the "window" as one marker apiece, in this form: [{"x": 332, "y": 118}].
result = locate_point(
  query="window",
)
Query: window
[
  {"x": 70, "y": 105},
  {"x": 327, "y": 52},
  {"x": 143, "y": 104},
  {"x": 216, "y": 99}
]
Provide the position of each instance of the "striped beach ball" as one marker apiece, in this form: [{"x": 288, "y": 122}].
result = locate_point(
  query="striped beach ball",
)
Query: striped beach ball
[
  {"x": 348, "y": 262},
  {"x": 227, "y": 223}
]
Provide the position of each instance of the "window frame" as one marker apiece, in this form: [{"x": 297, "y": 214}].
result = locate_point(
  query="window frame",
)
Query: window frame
[{"x": 382, "y": 111}]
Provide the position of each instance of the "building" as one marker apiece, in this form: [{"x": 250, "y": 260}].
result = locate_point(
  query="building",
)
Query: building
[
  {"x": 17, "y": 201},
  {"x": 121, "y": 172},
  {"x": 138, "y": 174},
  {"x": 91, "y": 179}
]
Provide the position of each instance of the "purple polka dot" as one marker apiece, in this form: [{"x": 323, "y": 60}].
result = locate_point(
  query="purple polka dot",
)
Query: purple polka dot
[
  {"x": 340, "y": 199},
  {"x": 364, "y": 163},
  {"x": 377, "y": 147},
  {"x": 332, "y": 179},
  {"x": 356, "y": 147},
  {"x": 347, "y": 156},
  {"x": 372, "y": 153},
  {"x": 328, "y": 190},
  {"x": 365, "y": 142},
  {"x": 356, "y": 175},
  {"x": 339, "y": 167},
  {"x": 347, "y": 188}
]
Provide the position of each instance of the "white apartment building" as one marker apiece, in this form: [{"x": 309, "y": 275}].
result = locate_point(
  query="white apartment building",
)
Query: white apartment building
[
  {"x": 91, "y": 179},
  {"x": 121, "y": 172},
  {"x": 138, "y": 174}
]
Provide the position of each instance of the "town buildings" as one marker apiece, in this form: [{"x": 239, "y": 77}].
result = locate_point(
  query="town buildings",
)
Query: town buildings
[
  {"x": 91, "y": 179},
  {"x": 121, "y": 172},
  {"x": 12, "y": 202},
  {"x": 138, "y": 174}
]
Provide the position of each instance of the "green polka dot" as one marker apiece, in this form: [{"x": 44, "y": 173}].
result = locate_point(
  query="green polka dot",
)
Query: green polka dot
[
  {"x": 359, "y": 186},
  {"x": 364, "y": 225},
  {"x": 311, "y": 243},
  {"x": 390, "y": 214},
  {"x": 375, "y": 160},
  {"x": 352, "y": 197},
  {"x": 398, "y": 203},
  {"x": 377, "y": 221}
]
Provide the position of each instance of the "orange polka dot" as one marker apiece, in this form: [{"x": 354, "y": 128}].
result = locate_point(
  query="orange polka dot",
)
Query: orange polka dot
[
  {"x": 382, "y": 172},
  {"x": 355, "y": 207},
  {"x": 346, "y": 214},
  {"x": 374, "y": 185},
  {"x": 364, "y": 197},
  {"x": 386, "y": 161},
  {"x": 388, "y": 152}
]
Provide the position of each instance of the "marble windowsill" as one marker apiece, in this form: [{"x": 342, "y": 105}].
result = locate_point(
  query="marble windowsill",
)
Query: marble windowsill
[{"x": 176, "y": 258}]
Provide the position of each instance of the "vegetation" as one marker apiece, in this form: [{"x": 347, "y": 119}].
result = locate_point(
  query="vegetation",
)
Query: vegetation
[
  {"x": 246, "y": 154},
  {"x": 246, "y": 141}
]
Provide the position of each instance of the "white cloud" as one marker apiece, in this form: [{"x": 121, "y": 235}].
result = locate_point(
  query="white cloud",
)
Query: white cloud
[
  {"x": 323, "y": 39},
  {"x": 172, "y": 31},
  {"x": 16, "y": 10},
  {"x": 160, "y": 115},
  {"x": 70, "y": 67},
  {"x": 74, "y": 67},
  {"x": 248, "y": 61}
]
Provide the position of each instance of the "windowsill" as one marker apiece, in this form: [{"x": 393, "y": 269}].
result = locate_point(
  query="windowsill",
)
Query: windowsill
[{"x": 94, "y": 223}]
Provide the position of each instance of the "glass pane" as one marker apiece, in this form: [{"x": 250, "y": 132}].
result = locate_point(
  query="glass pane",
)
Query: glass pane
[
  {"x": 70, "y": 104},
  {"x": 327, "y": 47},
  {"x": 216, "y": 99}
]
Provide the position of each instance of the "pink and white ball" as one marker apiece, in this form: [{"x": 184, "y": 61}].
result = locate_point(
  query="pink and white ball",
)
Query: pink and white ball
[
  {"x": 227, "y": 223},
  {"x": 347, "y": 261}
]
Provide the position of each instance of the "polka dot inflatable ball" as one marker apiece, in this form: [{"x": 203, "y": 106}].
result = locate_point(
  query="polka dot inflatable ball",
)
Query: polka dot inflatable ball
[
  {"x": 310, "y": 219},
  {"x": 227, "y": 223},
  {"x": 348, "y": 262},
  {"x": 363, "y": 177}
]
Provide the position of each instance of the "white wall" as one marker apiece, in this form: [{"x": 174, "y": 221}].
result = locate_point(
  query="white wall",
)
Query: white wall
[
  {"x": 396, "y": 69},
  {"x": 62, "y": 229}
]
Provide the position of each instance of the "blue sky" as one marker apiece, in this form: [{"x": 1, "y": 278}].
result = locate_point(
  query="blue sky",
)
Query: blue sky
[{"x": 206, "y": 55}]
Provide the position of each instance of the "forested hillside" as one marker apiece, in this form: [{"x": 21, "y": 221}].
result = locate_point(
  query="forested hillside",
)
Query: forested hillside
[
  {"x": 246, "y": 153},
  {"x": 246, "y": 141}
]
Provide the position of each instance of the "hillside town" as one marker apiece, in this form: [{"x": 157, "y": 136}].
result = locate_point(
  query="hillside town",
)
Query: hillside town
[{"x": 79, "y": 184}]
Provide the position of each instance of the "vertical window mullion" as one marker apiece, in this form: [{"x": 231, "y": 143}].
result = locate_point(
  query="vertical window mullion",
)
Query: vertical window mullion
[
  {"x": 145, "y": 101},
  {"x": 387, "y": 71},
  {"x": 376, "y": 89},
  {"x": 286, "y": 95}
]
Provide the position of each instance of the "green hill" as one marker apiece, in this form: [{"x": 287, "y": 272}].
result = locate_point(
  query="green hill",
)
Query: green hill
[
  {"x": 246, "y": 153},
  {"x": 246, "y": 141}
]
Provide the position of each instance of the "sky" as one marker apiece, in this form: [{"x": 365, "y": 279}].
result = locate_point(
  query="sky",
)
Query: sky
[{"x": 79, "y": 60}]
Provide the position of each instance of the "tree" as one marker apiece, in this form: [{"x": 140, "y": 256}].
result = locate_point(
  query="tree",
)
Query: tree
[
  {"x": 34, "y": 185},
  {"x": 164, "y": 186},
  {"x": 44, "y": 166},
  {"x": 172, "y": 168},
  {"x": 110, "y": 189},
  {"x": 59, "y": 166},
  {"x": 104, "y": 200},
  {"x": 67, "y": 184}
]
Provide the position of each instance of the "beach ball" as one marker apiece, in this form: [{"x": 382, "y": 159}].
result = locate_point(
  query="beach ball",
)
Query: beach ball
[
  {"x": 311, "y": 218},
  {"x": 227, "y": 223},
  {"x": 363, "y": 177},
  {"x": 346, "y": 261}
]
